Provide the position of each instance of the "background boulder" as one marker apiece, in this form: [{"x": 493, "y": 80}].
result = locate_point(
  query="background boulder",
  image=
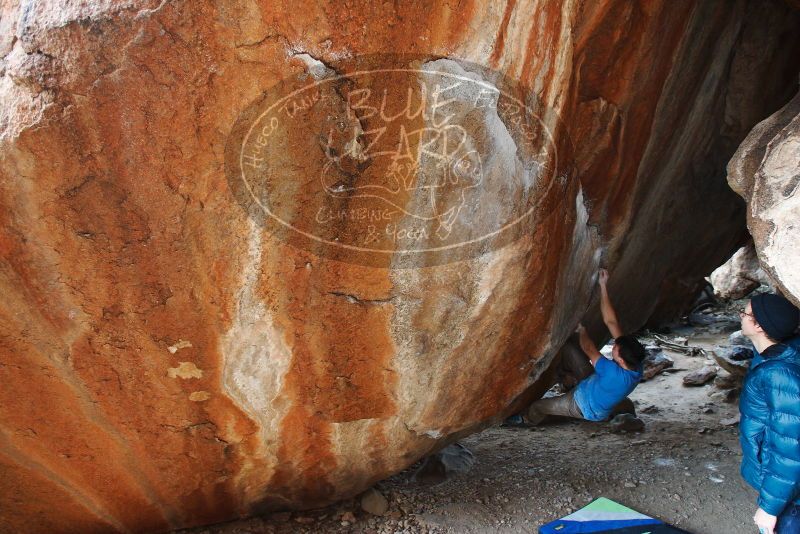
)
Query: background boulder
[
  {"x": 766, "y": 171},
  {"x": 740, "y": 275}
]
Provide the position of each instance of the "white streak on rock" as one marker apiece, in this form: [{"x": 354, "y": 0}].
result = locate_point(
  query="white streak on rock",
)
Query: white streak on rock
[{"x": 255, "y": 354}]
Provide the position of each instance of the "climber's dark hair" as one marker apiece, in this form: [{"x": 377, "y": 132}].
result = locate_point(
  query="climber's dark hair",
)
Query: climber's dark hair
[{"x": 631, "y": 351}]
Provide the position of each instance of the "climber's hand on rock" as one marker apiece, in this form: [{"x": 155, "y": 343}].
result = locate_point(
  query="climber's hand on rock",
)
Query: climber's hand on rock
[{"x": 603, "y": 277}]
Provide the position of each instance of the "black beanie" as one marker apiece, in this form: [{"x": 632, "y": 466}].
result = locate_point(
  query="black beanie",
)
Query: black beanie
[{"x": 777, "y": 316}]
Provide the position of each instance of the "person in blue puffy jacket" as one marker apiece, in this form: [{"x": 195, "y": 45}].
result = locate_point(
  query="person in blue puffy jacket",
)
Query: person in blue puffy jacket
[
  {"x": 769, "y": 431},
  {"x": 793, "y": 342}
]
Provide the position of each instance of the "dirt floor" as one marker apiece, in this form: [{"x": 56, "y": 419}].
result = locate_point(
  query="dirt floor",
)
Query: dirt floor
[{"x": 683, "y": 468}]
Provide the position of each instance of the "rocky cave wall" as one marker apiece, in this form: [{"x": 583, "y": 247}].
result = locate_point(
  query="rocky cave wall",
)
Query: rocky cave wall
[{"x": 169, "y": 359}]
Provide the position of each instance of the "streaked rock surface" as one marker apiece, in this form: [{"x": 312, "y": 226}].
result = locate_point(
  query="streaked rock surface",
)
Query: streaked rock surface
[{"x": 168, "y": 361}]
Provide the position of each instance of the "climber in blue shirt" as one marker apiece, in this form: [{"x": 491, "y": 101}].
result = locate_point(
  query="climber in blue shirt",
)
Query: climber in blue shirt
[{"x": 604, "y": 384}]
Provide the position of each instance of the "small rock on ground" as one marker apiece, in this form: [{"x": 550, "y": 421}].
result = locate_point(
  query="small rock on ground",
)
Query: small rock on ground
[
  {"x": 735, "y": 360},
  {"x": 626, "y": 422},
  {"x": 443, "y": 465},
  {"x": 725, "y": 380},
  {"x": 373, "y": 502},
  {"x": 655, "y": 362},
  {"x": 738, "y": 339},
  {"x": 728, "y": 396},
  {"x": 730, "y": 421},
  {"x": 700, "y": 376}
]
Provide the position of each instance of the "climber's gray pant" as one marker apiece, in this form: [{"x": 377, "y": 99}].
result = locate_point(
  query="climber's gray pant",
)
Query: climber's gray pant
[{"x": 563, "y": 405}]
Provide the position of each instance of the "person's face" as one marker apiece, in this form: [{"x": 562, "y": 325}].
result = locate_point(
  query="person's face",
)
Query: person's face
[{"x": 748, "y": 322}]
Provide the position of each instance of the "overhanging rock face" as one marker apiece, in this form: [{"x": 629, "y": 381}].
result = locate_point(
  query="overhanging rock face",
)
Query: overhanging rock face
[
  {"x": 260, "y": 256},
  {"x": 766, "y": 171}
]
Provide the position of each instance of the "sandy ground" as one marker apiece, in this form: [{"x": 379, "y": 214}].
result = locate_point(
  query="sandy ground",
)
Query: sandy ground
[{"x": 683, "y": 468}]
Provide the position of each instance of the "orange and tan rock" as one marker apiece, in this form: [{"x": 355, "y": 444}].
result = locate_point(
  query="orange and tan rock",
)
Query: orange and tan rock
[{"x": 180, "y": 346}]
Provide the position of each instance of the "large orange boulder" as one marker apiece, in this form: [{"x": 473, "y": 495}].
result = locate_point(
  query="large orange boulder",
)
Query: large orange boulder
[{"x": 259, "y": 255}]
